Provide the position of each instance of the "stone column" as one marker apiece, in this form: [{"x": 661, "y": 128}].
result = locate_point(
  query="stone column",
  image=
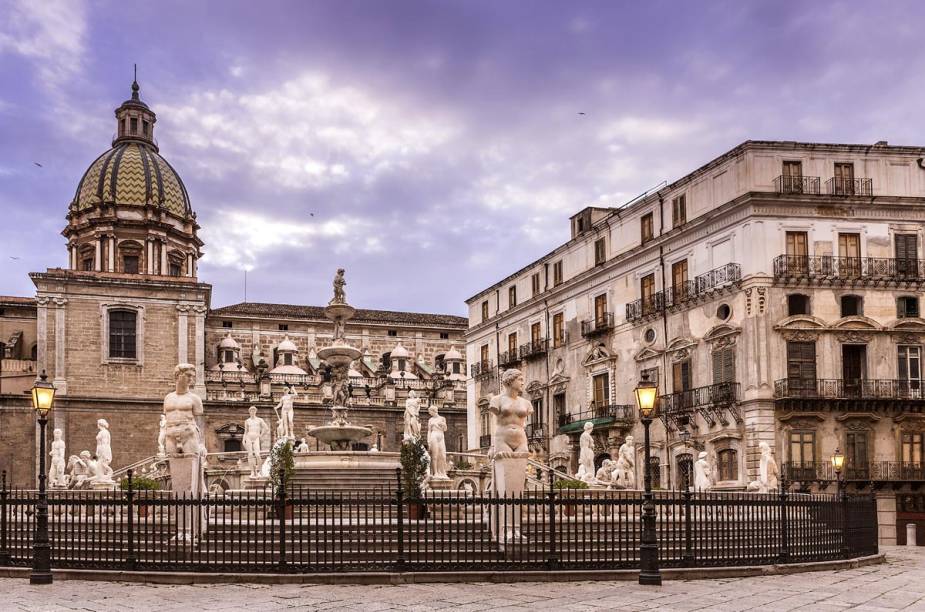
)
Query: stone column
[
  {"x": 60, "y": 379},
  {"x": 149, "y": 260},
  {"x": 183, "y": 333},
  {"x": 189, "y": 266},
  {"x": 163, "y": 257},
  {"x": 41, "y": 332},
  {"x": 200, "y": 388},
  {"x": 98, "y": 259},
  {"x": 112, "y": 252}
]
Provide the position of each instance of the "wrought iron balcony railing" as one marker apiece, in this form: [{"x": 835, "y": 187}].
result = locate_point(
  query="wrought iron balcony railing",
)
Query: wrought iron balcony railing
[
  {"x": 614, "y": 412},
  {"x": 508, "y": 358},
  {"x": 534, "y": 348},
  {"x": 482, "y": 369},
  {"x": 853, "y": 269},
  {"x": 837, "y": 388},
  {"x": 711, "y": 402},
  {"x": 797, "y": 184},
  {"x": 600, "y": 324},
  {"x": 485, "y": 441},
  {"x": 877, "y": 471},
  {"x": 536, "y": 431},
  {"x": 849, "y": 187},
  {"x": 560, "y": 341},
  {"x": 679, "y": 294}
]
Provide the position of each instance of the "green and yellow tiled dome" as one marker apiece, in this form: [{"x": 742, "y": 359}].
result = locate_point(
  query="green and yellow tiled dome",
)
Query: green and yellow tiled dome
[{"x": 132, "y": 173}]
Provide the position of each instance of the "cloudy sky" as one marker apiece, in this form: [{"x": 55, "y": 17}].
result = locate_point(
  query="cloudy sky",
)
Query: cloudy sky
[{"x": 431, "y": 148}]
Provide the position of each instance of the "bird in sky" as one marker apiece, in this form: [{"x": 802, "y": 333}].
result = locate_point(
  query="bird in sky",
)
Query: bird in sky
[
  {"x": 14, "y": 258},
  {"x": 38, "y": 164},
  {"x": 582, "y": 113}
]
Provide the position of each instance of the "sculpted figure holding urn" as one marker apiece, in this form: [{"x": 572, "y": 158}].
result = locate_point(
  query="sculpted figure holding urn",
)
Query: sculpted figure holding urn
[
  {"x": 104, "y": 449},
  {"x": 702, "y": 472},
  {"x": 625, "y": 469}
]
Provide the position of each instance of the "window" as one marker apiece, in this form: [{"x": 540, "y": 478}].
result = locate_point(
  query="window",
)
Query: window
[
  {"x": 647, "y": 228},
  {"x": 649, "y": 336},
  {"x": 909, "y": 371},
  {"x": 579, "y": 224},
  {"x": 907, "y": 255},
  {"x": 600, "y": 252},
  {"x": 600, "y": 310},
  {"x": 87, "y": 264},
  {"x": 287, "y": 359},
  {"x": 792, "y": 180},
  {"x": 283, "y": 327},
  {"x": 226, "y": 324},
  {"x": 601, "y": 390},
  {"x": 557, "y": 273},
  {"x": 681, "y": 376},
  {"x": 728, "y": 460},
  {"x": 444, "y": 335},
  {"x": 912, "y": 448},
  {"x": 801, "y": 367},
  {"x": 856, "y": 454},
  {"x": 907, "y": 306},
  {"x": 651, "y": 373},
  {"x": 679, "y": 279},
  {"x": 852, "y": 306},
  {"x": 844, "y": 179},
  {"x": 558, "y": 329},
  {"x": 849, "y": 254},
  {"x": 678, "y": 211},
  {"x": 797, "y": 260},
  {"x": 232, "y": 445},
  {"x": 558, "y": 404},
  {"x": 512, "y": 296},
  {"x": 535, "y": 283},
  {"x": 647, "y": 292},
  {"x": 724, "y": 365},
  {"x": 485, "y": 310},
  {"x": 723, "y": 312},
  {"x": 483, "y": 356},
  {"x": 797, "y": 304},
  {"x": 655, "y": 472},
  {"x": 392, "y": 333},
  {"x": 456, "y": 366},
  {"x": 122, "y": 334},
  {"x": 535, "y": 333},
  {"x": 173, "y": 269},
  {"x": 802, "y": 448},
  {"x": 512, "y": 345},
  {"x": 228, "y": 356},
  {"x": 685, "y": 464},
  {"x": 485, "y": 425},
  {"x": 134, "y": 124},
  {"x": 130, "y": 264}
]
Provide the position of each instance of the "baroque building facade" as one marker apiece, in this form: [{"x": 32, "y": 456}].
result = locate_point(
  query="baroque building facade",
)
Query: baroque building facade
[
  {"x": 774, "y": 296},
  {"x": 110, "y": 328}
]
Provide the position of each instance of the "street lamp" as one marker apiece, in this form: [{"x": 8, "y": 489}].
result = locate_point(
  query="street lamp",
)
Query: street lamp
[
  {"x": 838, "y": 464},
  {"x": 646, "y": 398},
  {"x": 43, "y": 397}
]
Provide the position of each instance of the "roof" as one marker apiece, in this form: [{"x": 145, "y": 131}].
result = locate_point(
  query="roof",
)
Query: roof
[
  {"x": 295, "y": 311},
  {"x": 13, "y": 300}
]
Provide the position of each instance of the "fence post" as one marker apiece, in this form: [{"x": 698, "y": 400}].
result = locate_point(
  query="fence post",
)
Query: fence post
[
  {"x": 4, "y": 545},
  {"x": 281, "y": 517},
  {"x": 399, "y": 500},
  {"x": 688, "y": 529},
  {"x": 553, "y": 561},
  {"x": 784, "y": 554},
  {"x": 845, "y": 548},
  {"x": 130, "y": 560}
]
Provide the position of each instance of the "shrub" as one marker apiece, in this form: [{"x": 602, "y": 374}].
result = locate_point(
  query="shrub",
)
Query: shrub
[
  {"x": 141, "y": 483},
  {"x": 565, "y": 483},
  {"x": 282, "y": 464},
  {"x": 462, "y": 464},
  {"x": 414, "y": 462}
]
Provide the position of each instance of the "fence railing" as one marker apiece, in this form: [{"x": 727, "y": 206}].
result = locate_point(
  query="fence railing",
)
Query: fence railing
[
  {"x": 855, "y": 269},
  {"x": 719, "y": 394},
  {"x": 624, "y": 412},
  {"x": 849, "y": 186},
  {"x": 482, "y": 369},
  {"x": 875, "y": 471},
  {"x": 508, "y": 358},
  {"x": 680, "y": 293},
  {"x": 534, "y": 348},
  {"x": 300, "y": 530},
  {"x": 797, "y": 184},
  {"x": 838, "y": 388},
  {"x": 600, "y": 324}
]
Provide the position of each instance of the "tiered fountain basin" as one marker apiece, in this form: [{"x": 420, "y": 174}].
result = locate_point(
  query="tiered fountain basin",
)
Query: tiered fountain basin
[
  {"x": 339, "y": 436},
  {"x": 339, "y": 354}
]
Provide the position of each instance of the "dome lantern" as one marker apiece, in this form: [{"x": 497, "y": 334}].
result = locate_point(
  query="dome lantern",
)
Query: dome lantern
[{"x": 134, "y": 120}]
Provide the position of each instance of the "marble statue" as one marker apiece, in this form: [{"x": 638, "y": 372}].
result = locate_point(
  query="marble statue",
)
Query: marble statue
[
  {"x": 702, "y": 473},
  {"x": 78, "y": 471},
  {"x": 302, "y": 447},
  {"x": 509, "y": 452},
  {"x": 436, "y": 444},
  {"x": 56, "y": 474},
  {"x": 284, "y": 414},
  {"x": 605, "y": 473},
  {"x": 768, "y": 472},
  {"x": 340, "y": 394},
  {"x": 254, "y": 430},
  {"x": 586, "y": 455},
  {"x": 98, "y": 470},
  {"x": 104, "y": 449},
  {"x": 625, "y": 468},
  {"x": 340, "y": 296},
  {"x": 412, "y": 410},
  {"x": 162, "y": 437}
]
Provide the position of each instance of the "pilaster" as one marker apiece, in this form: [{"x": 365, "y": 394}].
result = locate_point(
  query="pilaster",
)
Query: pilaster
[
  {"x": 60, "y": 379},
  {"x": 200, "y": 387}
]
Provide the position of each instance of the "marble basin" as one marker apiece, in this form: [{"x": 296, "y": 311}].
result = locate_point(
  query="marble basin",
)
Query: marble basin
[
  {"x": 339, "y": 437},
  {"x": 339, "y": 354}
]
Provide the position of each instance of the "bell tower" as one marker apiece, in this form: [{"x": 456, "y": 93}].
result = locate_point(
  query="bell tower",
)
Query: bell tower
[{"x": 134, "y": 120}]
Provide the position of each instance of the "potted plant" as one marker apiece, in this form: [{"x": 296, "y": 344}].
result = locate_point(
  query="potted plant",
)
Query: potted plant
[
  {"x": 282, "y": 466},
  {"x": 570, "y": 484},
  {"x": 141, "y": 483},
  {"x": 414, "y": 462}
]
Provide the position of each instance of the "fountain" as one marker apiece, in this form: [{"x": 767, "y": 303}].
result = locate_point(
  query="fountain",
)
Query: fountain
[{"x": 339, "y": 433}]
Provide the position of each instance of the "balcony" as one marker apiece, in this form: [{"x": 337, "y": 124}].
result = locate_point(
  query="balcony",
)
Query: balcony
[
  {"x": 841, "y": 389},
  {"x": 482, "y": 369},
  {"x": 560, "y": 341},
  {"x": 611, "y": 414},
  {"x": 535, "y": 348},
  {"x": 876, "y": 472},
  {"x": 711, "y": 402},
  {"x": 508, "y": 358},
  {"x": 797, "y": 184},
  {"x": 601, "y": 324},
  {"x": 536, "y": 431},
  {"x": 485, "y": 441},
  {"x": 828, "y": 269},
  {"x": 689, "y": 291},
  {"x": 849, "y": 186}
]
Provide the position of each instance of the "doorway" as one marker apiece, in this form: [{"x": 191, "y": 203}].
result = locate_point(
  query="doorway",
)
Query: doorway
[
  {"x": 854, "y": 368},
  {"x": 685, "y": 471}
]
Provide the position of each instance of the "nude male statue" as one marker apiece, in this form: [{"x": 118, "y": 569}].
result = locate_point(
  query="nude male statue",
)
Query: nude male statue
[
  {"x": 254, "y": 430},
  {"x": 181, "y": 407}
]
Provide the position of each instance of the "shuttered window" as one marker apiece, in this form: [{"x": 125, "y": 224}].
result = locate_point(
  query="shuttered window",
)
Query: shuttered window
[
  {"x": 681, "y": 376},
  {"x": 728, "y": 460},
  {"x": 724, "y": 366},
  {"x": 801, "y": 365},
  {"x": 535, "y": 333}
]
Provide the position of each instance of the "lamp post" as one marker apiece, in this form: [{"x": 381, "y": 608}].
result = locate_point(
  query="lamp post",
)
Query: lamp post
[
  {"x": 43, "y": 396},
  {"x": 838, "y": 464},
  {"x": 646, "y": 395}
]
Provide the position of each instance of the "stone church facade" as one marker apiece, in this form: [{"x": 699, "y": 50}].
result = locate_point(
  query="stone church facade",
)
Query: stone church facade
[{"x": 110, "y": 328}]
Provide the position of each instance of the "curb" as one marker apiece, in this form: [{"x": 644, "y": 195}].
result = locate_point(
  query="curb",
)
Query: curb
[{"x": 395, "y": 578}]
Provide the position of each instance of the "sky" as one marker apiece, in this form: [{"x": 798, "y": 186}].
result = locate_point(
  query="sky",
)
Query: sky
[{"x": 430, "y": 148}]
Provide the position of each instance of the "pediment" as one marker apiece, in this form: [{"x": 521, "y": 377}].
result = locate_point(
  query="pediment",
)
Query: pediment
[
  {"x": 598, "y": 354},
  {"x": 647, "y": 353},
  {"x": 680, "y": 343},
  {"x": 721, "y": 331},
  {"x": 535, "y": 389},
  {"x": 911, "y": 324},
  {"x": 801, "y": 322},
  {"x": 857, "y": 322},
  {"x": 230, "y": 429}
]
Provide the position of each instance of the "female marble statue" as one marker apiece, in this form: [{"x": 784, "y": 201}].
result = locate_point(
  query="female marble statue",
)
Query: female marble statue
[
  {"x": 436, "y": 444},
  {"x": 162, "y": 437},
  {"x": 586, "y": 454},
  {"x": 104, "y": 447},
  {"x": 284, "y": 412},
  {"x": 702, "y": 471},
  {"x": 625, "y": 470},
  {"x": 412, "y": 410},
  {"x": 254, "y": 430},
  {"x": 768, "y": 472},
  {"x": 511, "y": 412},
  {"x": 56, "y": 475}
]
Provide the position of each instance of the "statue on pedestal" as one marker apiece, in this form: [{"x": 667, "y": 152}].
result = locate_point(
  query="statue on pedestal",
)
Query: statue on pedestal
[
  {"x": 605, "y": 473},
  {"x": 186, "y": 449},
  {"x": 254, "y": 430},
  {"x": 162, "y": 437},
  {"x": 436, "y": 444},
  {"x": 625, "y": 468},
  {"x": 340, "y": 296},
  {"x": 56, "y": 475},
  {"x": 768, "y": 471},
  {"x": 284, "y": 413},
  {"x": 412, "y": 410},
  {"x": 104, "y": 449},
  {"x": 510, "y": 452},
  {"x": 586, "y": 455},
  {"x": 702, "y": 472}
]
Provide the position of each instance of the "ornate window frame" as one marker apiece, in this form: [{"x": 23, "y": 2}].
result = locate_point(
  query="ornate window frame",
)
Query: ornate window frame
[{"x": 139, "y": 310}]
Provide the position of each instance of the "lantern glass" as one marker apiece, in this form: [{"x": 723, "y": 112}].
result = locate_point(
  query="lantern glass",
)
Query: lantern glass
[
  {"x": 43, "y": 395},
  {"x": 646, "y": 396},
  {"x": 838, "y": 461}
]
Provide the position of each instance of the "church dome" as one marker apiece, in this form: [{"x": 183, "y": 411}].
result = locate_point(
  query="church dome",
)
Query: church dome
[{"x": 132, "y": 173}]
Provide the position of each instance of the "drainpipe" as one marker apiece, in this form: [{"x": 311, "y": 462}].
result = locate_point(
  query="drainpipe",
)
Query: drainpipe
[
  {"x": 661, "y": 264},
  {"x": 548, "y": 400}
]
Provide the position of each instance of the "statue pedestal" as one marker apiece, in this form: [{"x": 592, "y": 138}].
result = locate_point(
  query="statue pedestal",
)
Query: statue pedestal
[
  {"x": 509, "y": 473},
  {"x": 187, "y": 478},
  {"x": 439, "y": 484},
  {"x": 104, "y": 486},
  {"x": 252, "y": 483}
]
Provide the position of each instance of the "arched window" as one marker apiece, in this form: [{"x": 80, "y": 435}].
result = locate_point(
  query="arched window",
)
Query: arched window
[
  {"x": 728, "y": 464},
  {"x": 122, "y": 326}
]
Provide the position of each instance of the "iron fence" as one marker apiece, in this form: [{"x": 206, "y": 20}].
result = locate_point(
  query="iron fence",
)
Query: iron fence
[
  {"x": 683, "y": 292},
  {"x": 621, "y": 412},
  {"x": 534, "y": 348},
  {"x": 797, "y": 184},
  {"x": 600, "y": 324},
  {"x": 838, "y": 388},
  {"x": 855, "y": 269},
  {"x": 850, "y": 186},
  {"x": 304, "y": 530},
  {"x": 874, "y": 471}
]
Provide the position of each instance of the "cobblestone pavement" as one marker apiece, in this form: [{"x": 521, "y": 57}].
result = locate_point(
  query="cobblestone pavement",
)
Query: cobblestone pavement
[{"x": 898, "y": 584}]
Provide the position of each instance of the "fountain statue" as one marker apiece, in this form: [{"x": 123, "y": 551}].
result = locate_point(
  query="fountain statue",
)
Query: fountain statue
[{"x": 339, "y": 433}]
